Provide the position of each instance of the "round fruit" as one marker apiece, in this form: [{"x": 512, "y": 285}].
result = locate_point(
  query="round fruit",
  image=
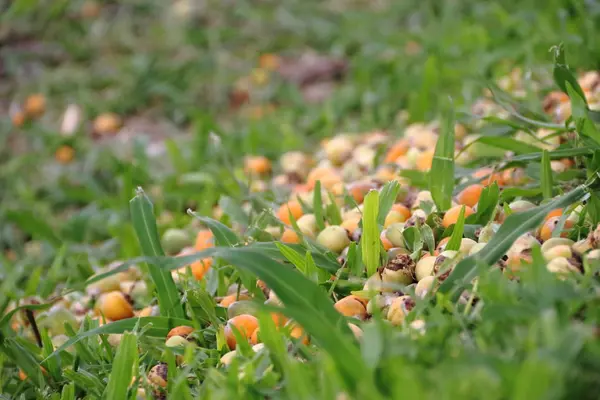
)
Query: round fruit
[
  {"x": 292, "y": 207},
  {"x": 334, "y": 238},
  {"x": 115, "y": 306},
  {"x": 183, "y": 331},
  {"x": 469, "y": 196},
  {"x": 245, "y": 324},
  {"x": 174, "y": 240},
  {"x": 351, "y": 306},
  {"x": 451, "y": 216},
  {"x": 107, "y": 124},
  {"x": 35, "y": 105}
]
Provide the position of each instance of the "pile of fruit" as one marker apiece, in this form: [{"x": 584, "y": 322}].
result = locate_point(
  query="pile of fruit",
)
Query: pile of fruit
[{"x": 420, "y": 244}]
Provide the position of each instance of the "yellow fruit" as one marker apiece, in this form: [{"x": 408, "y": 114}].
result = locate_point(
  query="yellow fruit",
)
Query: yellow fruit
[
  {"x": 64, "y": 154},
  {"x": 245, "y": 324},
  {"x": 115, "y": 306},
  {"x": 35, "y": 105},
  {"x": 107, "y": 124},
  {"x": 351, "y": 306},
  {"x": 451, "y": 216}
]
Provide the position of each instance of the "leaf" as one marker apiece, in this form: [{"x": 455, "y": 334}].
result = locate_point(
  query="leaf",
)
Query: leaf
[
  {"x": 232, "y": 208},
  {"x": 457, "y": 233},
  {"x": 486, "y": 206},
  {"x": 145, "y": 227},
  {"x": 593, "y": 209},
  {"x": 318, "y": 206},
  {"x": 510, "y": 193},
  {"x": 513, "y": 227},
  {"x": 224, "y": 236},
  {"x": 546, "y": 178},
  {"x": 412, "y": 238},
  {"x": 585, "y": 126},
  {"x": 124, "y": 367},
  {"x": 202, "y": 305},
  {"x": 369, "y": 241},
  {"x": 152, "y": 326},
  {"x": 418, "y": 179},
  {"x": 293, "y": 257},
  {"x": 53, "y": 363},
  {"x": 354, "y": 261},
  {"x": 334, "y": 215},
  {"x": 68, "y": 392},
  {"x": 428, "y": 237},
  {"x": 563, "y": 76},
  {"x": 24, "y": 359},
  {"x": 387, "y": 198},
  {"x": 420, "y": 102},
  {"x": 506, "y": 143},
  {"x": 554, "y": 155},
  {"x": 8, "y": 316},
  {"x": 306, "y": 303},
  {"x": 37, "y": 227},
  {"x": 441, "y": 176}
]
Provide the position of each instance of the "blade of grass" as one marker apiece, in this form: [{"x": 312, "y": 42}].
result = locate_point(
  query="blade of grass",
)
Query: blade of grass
[
  {"x": 457, "y": 233},
  {"x": 387, "y": 198},
  {"x": 144, "y": 222},
  {"x": 123, "y": 368},
  {"x": 318, "y": 206},
  {"x": 370, "y": 235},
  {"x": 223, "y": 235},
  {"x": 441, "y": 176},
  {"x": 546, "y": 178},
  {"x": 292, "y": 256}
]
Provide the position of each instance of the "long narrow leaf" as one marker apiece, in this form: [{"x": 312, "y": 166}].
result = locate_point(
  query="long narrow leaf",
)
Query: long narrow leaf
[
  {"x": 441, "y": 176},
  {"x": 223, "y": 235},
  {"x": 123, "y": 368},
  {"x": 546, "y": 178},
  {"x": 457, "y": 233},
  {"x": 370, "y": 236},
  {"x": 144, "y": 222},
  {"x": 387, "y": 198}
]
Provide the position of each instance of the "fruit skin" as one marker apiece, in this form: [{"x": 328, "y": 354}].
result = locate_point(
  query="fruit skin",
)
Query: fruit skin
[
  {"x": 424, "y": 268},
  {"x": 257, "y": 165},
  {"x": 358, "y": 333},
  {"x": 394, "y": 217},
  {"x": 157, "y": 376},
  {"x": 551, "y": 224},
  {"x": 290, "y": 236},
  {"x": 18, "y": 118},
  {"x": 183, "y": 331},
  {"x": 246, "y": 325},
  {"x": 297, "y": 332},
  {"x": 115, "y": 306},
  {"x": 232, "y": 298},
  {"x": 400, "y": 270},
  {"x": 399, "y": 309},
  {"x": 470, "y": 195},
  {"x": 107, "y": 124},
  {"x": 561, "y": 266},
  {"x": 174, "y": 240},
  {"x": 338, "y": 149},
  {"x": 64, "y": 154},
  {"x": 292, "y": 207},
  {"x": 451, "y": 216},
  {"x": 334, "y": 238},
  {"x": 352, "y": 306},
  {"x": 35, "y": 105},
  {"x": 424, "y": 285},
  {"x": 308, "y": 225}
]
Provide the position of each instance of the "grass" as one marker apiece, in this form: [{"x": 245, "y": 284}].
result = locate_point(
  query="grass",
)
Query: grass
[{"x": 169, "y": 75}]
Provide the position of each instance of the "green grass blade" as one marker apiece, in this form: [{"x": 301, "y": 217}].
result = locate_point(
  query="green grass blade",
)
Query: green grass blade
[
  {"x": 318, "y": 206},
  {"x": 441, "y": 176},
  {"x": 585, "y": 126},
  {"x": 123, "y": 368},
  {"x": 223, "y": 235},
  {"x": 514, "y": 226},
  {"x": 53, "y": 363},
  {"x": 68, "y": 392},
  {"x": 563, "y": 76},
  {"x": 370, "y": 243},
  {"x": 387, "y": 198},
  {"x": 506, "y": 143},
  {"x": 486, "y": 206},
  {"x": 292, "y": 256},
  {"x": 546, "y": 178},
  {"x": 144, "y": 222},
  {"x": 428, "y": 237},
  {"x": 457, "y": 233},
  {"x": 8, "y": 316}
]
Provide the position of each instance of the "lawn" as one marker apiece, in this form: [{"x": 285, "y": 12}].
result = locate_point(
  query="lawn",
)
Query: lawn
[{"x": 339, "y": 199}]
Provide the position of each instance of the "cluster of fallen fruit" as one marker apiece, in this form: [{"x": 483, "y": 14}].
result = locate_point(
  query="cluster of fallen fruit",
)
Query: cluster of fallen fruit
[{"x": 344, "y": 167}]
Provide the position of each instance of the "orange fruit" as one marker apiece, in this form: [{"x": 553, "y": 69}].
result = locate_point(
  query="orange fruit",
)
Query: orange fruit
[
  {"x": 292, "y": 207},
  {"x": 257, "y": 165},
  {"x": 451, "y": 216},
  {"x": 246, "y": 324},
  {"x": 351, "y": 306},
  {"x": 489, "y": 176},
  {"x": 469, "y": 196},
  {"x": 204, "y": 240},
  {"x": 18, "y": 119},
  {"x": 550, "y": 225},
  {"x": 232, "y": 298},
  {"x": 114, "y": 306},
  {"x": 64, "y": 154},
  {"x": 399, "y": 149},
  {"x": 290, "y": 236},
  {"x": 554, "y": 213},
  {"x": 402, "y": 209},
  {"x": 424, "y": 160},
  {"x": 385, "y": 241},
  {"x": 35, "y": 105}
]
